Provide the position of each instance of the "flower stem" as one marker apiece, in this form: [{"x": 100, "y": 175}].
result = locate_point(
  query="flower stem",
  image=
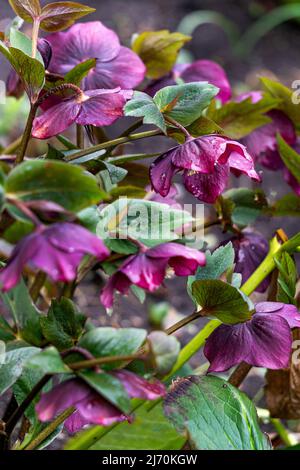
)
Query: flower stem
[
  {"x": 183, "y": 322},
  {"x": 11, "y": 423},
  {"x": 283, "y": 432},
  {"x": 179, "y": 126},
  {"x": 239, "y": 374},
  {"x": 26, "y": 135},
  {"x": 103, "y": 360},
  {"x": 38, "y": 283},
  {"x": 79, "y": 136},
  {"x": 50, "y": 429},
  {"x": 13, "y": 147},
  {"x": 35, "y": 36},
  {"x": 113, "y": 143}
]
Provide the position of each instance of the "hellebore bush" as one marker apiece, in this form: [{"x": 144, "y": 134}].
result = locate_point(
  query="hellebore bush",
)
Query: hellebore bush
[{"x": 85, "y": 205}]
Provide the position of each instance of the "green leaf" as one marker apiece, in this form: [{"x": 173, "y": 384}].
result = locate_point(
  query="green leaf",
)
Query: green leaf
[
  {"x": 104, "y": 342},
  {"x": 124, "y": 247},
  {"x": 284, "y": 94},
  {"x": 6, "y": 331},
  {"x": 287, "y": 205},
  {"x": 248, "y": 204},
  {"x": 290, "y": 157},
  {"x": 142, "y": 105},
  {"x": 221, "y": 300},
  {"x": 239, "y": 119},
  {"x": 159, "y": 50},
  {"x": 185, "y": 103},
  {"x": 216, "y": 415},
  {"x": 287, "y": 278},
  {"x": 149, "y": 431},
  {"x": 31, "y": 72},
  {"x": 25, "y": 314},
  {"x": 80, "y": 71},
  {"x": 26, "y": 9},
  {"x": 19, "y": 40},
  {"x": 164, "y": 351},
  {"x": 149, "y": 222},
  {"x": 11, "y": 370},
  {"x": 109, "y": 387},
  {"x": 217, "y": 263},
  {"x": 48, "y": 361},
  {"x": 63, "y": 325},
  {"x": 111, "y": 175},
  {"x": 55, "y": 181},
  {"x": 61, "y": 15}
]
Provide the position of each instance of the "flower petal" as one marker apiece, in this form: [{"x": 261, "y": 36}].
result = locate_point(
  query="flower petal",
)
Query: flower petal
[
  {"x": 96, "y": 410},
  {"x": 287, "y": 311},
  {"x": 138, "y": 387},
  {"x": 56, "y": 119},
  {"x": 207, "y": 187},
  {"x": 183, "y": 259},
  {"x": 102, "y": 108},
  {"x": 162, "y": 171}
]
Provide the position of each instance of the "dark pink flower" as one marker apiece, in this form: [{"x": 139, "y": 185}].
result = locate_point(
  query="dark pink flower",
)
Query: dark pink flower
[
  {"x": 263, "y": 341},
  {"x": 198, "y": 71},
  {"x": 57, "y": 250},
  {"x": 94, "y": 107},
  {"x": 147, "y": 269},
  {"x": 206, "y": 163},
  {"x": 250, "y": 249},
  {"x": 116, "y": 66},
  {"x": 90, "y": 406}
]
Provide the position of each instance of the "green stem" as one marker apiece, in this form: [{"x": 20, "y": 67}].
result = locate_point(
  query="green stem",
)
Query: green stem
[
  {"x": 37, "y": 285},
  {"x": 34, "y": 444},
  {"x": 13, "y": 147},
  {"x": 283, "y": 432},
  {"x": 113, "y": 143},
  {"x": 79, "y": 136},
  {"x": 35, "y": 36},
  {"x": 26, "y": 135}
]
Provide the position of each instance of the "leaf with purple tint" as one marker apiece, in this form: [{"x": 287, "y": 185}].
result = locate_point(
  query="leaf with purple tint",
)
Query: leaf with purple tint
[{"x": 214, "y": 414}]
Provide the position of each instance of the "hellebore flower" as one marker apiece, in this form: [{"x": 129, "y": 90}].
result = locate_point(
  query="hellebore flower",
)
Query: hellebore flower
[
  {"x": 198, "y": 71},
  {"x": 91, "y": 407},
  {"x": 206, "y": 163},
  {"x": 262, "y": 142},
  {"x": 263, "y": 341},
  {"x": 57, "y": 250},
  {"x": 94, "y": 107},
  {"x": 116, "y": 66},
  {"x": 250, "y": 250},
  {"x": 147, "y": 269}
]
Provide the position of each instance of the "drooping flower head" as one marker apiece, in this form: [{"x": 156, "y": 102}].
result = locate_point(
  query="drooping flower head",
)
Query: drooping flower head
[
  {"x": 93, "y": 107},
  {"x": 250, "y": 249},
  {"x": 116, "y": 66},
  {"x": 147, "y": 269},
  {"x": 198, "y": 71},
  {"x": 90, "y": 406},
  {"x": 57, "y": 250},
  {"x": 206, "y": 163},
  {"x": 263, "y": 341}
]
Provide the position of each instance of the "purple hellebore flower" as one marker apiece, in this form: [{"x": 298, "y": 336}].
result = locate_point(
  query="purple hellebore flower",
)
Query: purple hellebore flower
[
  {"x": 206, "y": 163},
  {"x": 90, "y": 407},
  {"x": 147, "y": 269},
  {"x": 94, "y": 107},
  {"x": 56, "y": 249},
  {"x": 198, "y": 71},
  {"x": 262, "y": 142},
  {"x": 115, "y": 65},
  {"x": 263, "y": 341},
  {"x": 250, "y": 249}
]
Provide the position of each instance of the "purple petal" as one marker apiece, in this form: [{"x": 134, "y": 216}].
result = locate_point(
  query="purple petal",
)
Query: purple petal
[
  {"x": 183, "y": 259},
  {"x": 45, "y": 49},
  {"x": 56, "y": 119},
  {"x": 211, "y": 72},
  {"x": 118, "y": 282},
  {"x": 62, "y": 396},
  {"x": 145, "y": 272},
  {"x": 74, "y": 423},
  {"x": 162, "y": 171},
  {"x": 250, "y": 250},
  {"x": 138, "y": 387},
  {"x": 101, "y": 107},
  {"x": 287, "y": 311},
  {"x": 198, "y": 154},
  {"x": 125, "y": 70},
  {"x": 255, "y": 96},
  {"x": 207, "y": 188},
  {"x": 291, "y": 181},
  {"x": 96, "y": 410},
  {"x": 263, "y": 341},
  {"x": 81, "y": 42}
]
